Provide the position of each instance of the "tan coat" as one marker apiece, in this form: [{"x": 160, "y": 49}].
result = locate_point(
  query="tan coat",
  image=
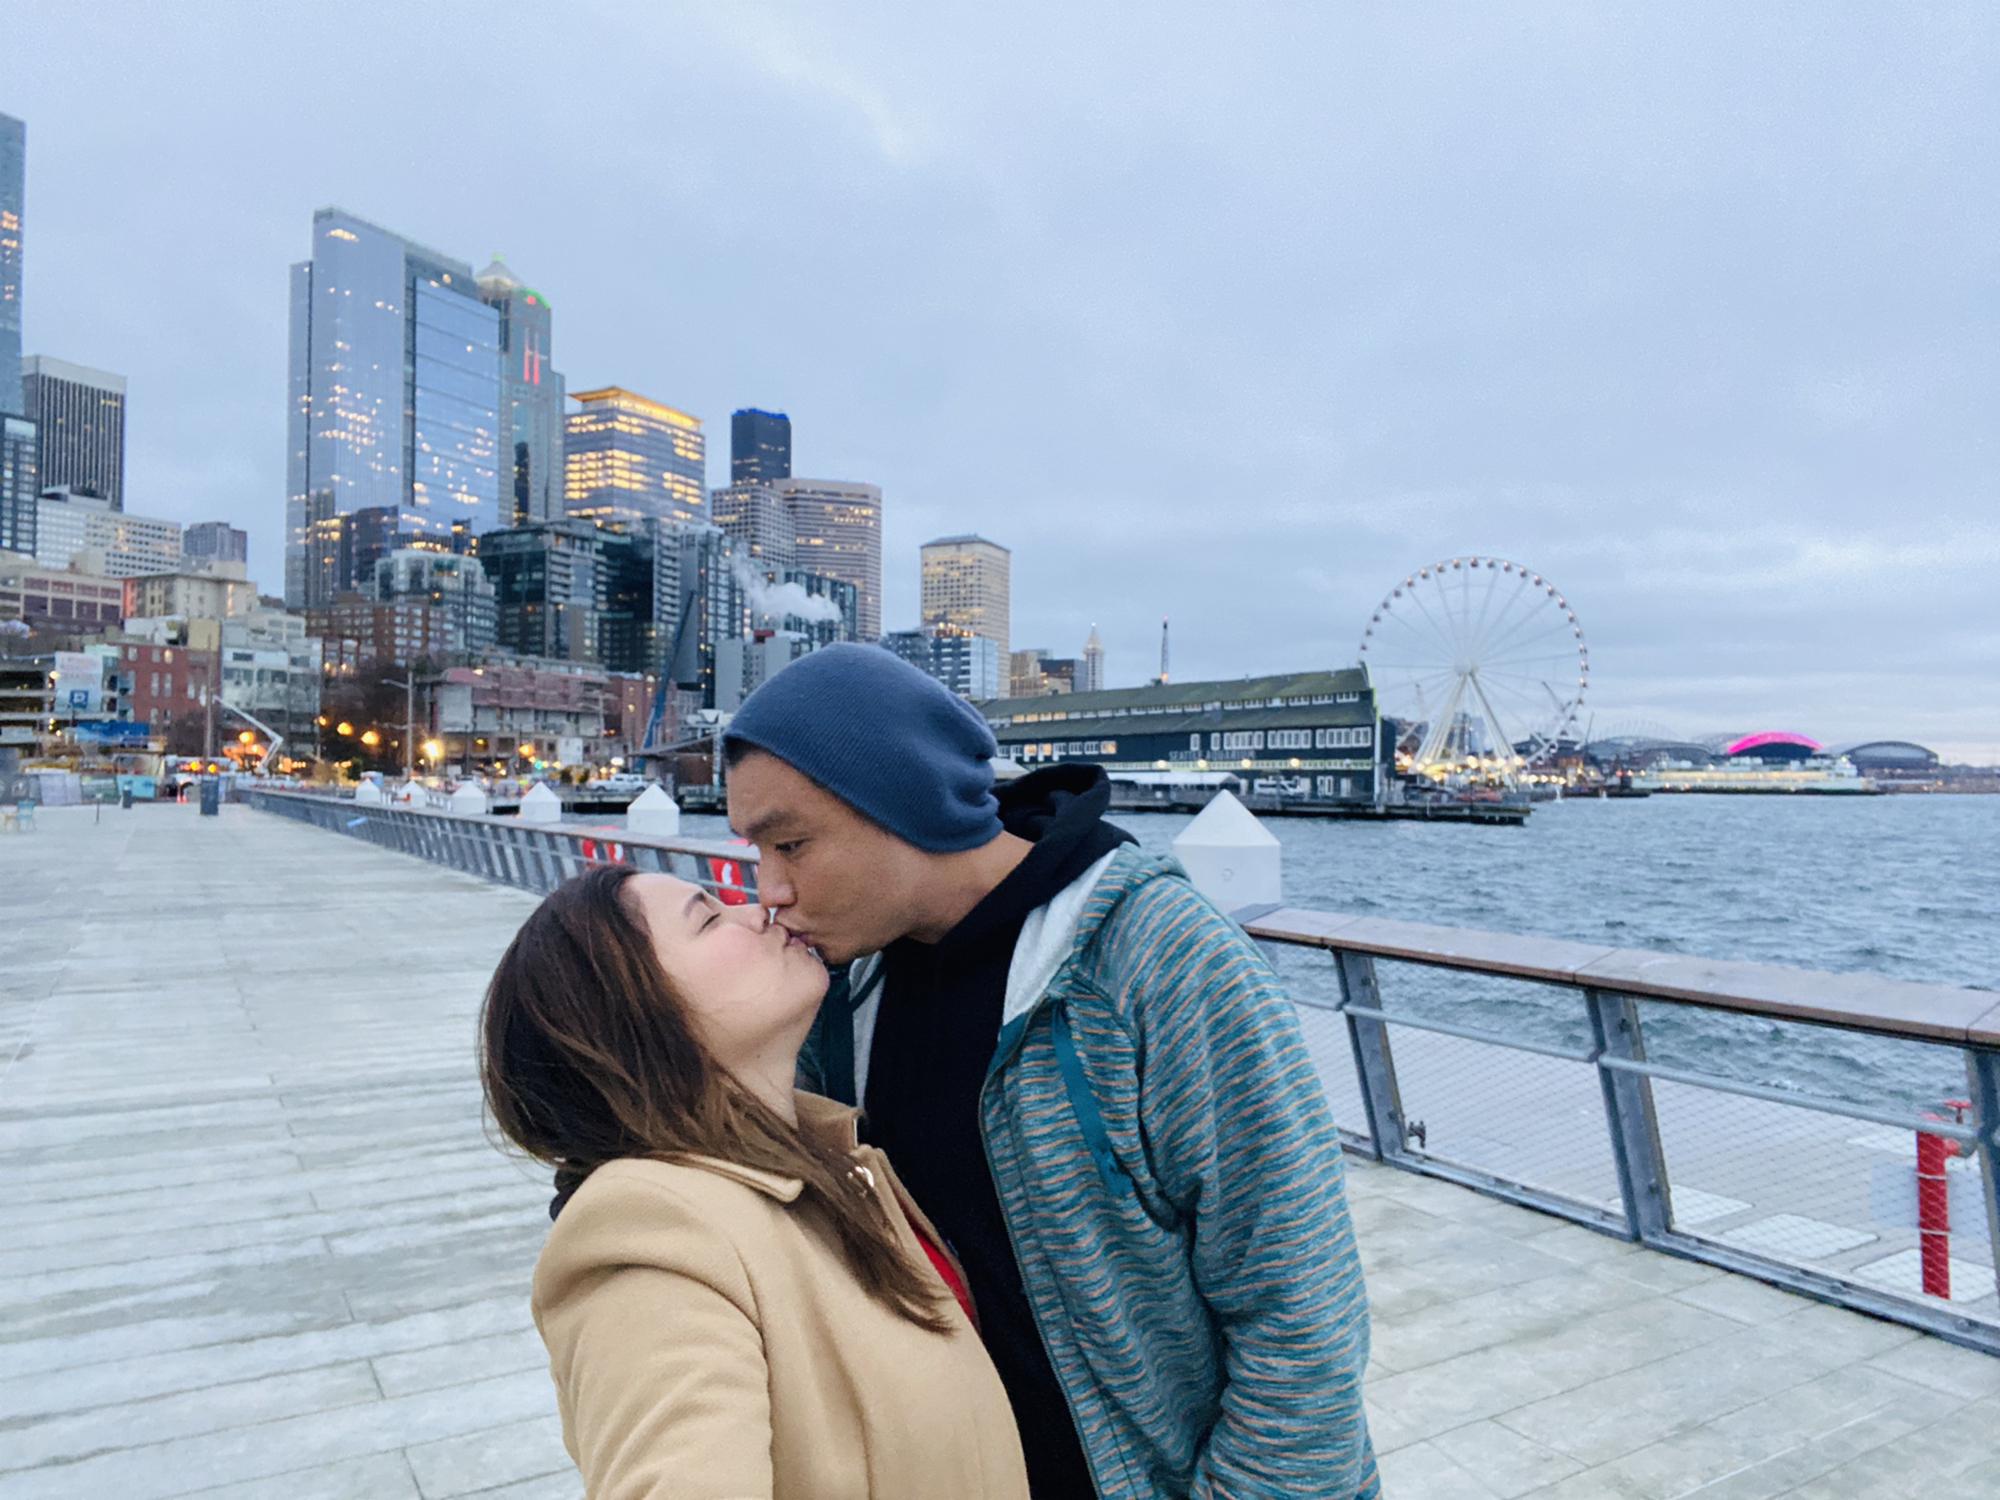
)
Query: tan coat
[{"x": 706, "y": 1344}]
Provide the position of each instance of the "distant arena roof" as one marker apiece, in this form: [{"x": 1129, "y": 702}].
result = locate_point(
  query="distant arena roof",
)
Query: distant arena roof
[
  {"x": 1887, "y": 753},
  {"x": 1770, "y": 739}
]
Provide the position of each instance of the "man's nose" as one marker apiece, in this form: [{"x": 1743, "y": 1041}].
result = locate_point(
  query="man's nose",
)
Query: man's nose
[{"x": 774, "y": 887}]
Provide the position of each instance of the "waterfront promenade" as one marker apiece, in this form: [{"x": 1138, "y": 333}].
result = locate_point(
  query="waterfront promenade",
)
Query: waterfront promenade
[{"x": 254, "y": 1241}]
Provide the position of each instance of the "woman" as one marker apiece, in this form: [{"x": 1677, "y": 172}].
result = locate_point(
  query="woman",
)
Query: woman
[{"x": 739, "y": 1300}]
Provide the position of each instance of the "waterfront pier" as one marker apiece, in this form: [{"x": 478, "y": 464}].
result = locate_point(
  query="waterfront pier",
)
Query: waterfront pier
[{"x": 256, "y": 1242}]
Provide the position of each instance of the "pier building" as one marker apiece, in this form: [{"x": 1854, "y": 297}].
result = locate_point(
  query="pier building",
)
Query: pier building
[{"x": 1305, "y": 735}]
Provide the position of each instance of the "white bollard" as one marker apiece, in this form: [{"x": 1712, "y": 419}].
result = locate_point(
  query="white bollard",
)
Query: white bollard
[
  {"x": 541, "y": 805},
  {"x": 1233, "y": 859},
  {"x": 410, "y": 792},
  {"x": 469, "y": 801},
  {"x": 653, "y": 812},
  {"x": 368, "y": 794}
]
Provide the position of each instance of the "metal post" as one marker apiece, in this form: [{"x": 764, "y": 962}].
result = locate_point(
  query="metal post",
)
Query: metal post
[
  {"x": 1982, "y": 1071},
  {"x": 1374, "y": 1061},
  {"x": 1628, "y": 1109}
]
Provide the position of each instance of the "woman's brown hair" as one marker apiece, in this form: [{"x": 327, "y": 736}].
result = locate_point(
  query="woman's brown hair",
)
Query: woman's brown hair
[{"x": 587, "y": 1055}]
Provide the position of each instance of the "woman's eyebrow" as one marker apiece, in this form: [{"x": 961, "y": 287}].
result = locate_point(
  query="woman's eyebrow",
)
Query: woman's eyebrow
[{"x": 699, "y": 898}]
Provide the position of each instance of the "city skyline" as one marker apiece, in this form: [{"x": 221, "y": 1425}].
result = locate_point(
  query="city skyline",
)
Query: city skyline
[{"x": 1607, "y": 296}]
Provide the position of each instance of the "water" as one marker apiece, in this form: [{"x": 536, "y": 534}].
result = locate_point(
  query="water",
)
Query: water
[{"x": 1902, "y": 886}]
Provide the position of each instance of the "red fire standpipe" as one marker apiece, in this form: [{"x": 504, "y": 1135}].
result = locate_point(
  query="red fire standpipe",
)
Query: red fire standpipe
[{"x": 1934, "y": 1213}]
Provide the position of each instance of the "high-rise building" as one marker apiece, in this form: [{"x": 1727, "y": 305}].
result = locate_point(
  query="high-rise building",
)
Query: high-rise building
[
  {"x": 18, "y": 484},
  {"x": 395, "y": 401},
  {"x": 457, "y": 585},
  {"x": 711, "y": 653},
  {"x": 627, "y": 639},
  {"x": 19, "y": 480},
  {"x": 1090, "y": 678},
  {"x": 838, "y": 532},
  {"x": 760, "y": 446},
  {"x": 215, "y": 541},
  {"x": 838, "y": 619},
  {"x": 756, "y": 515},
  {"x": 628, "y": 460},
  {"x": 965, "y": 586},
  {"x": 127, "y": 546},
  {"x": 545, "y": 586},
  {"x": 79, "y": 417},
  {"x": 13, "y": 210},
  {"x": 531, "y": 400},
  {"x": 967, "y": 664}
]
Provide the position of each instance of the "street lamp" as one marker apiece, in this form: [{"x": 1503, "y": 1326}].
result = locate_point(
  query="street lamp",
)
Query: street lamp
[{"x": 409, "y": 687}]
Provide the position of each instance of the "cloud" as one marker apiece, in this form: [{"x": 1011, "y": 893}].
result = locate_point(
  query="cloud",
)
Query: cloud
[{"x": 1234, "y": 316}]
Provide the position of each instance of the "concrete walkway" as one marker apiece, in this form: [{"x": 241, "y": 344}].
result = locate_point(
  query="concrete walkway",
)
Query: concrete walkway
[{"x": 254, "y": 1243}]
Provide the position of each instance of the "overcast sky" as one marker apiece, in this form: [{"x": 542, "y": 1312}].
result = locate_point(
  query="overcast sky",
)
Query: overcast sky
[{"x": 1236, "y": 314}]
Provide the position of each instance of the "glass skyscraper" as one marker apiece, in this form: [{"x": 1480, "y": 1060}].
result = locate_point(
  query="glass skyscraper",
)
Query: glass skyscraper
[
  {"x": 627, "y": 460},
  {"x": 760, "y": 446},
  {"x": 531, "y": 398},
  {"x": 79, "y": 415},
  {"x": 13, "y": 208},
  {"x": 19, "y": 483},
  {"x": 394, "y": 403}
]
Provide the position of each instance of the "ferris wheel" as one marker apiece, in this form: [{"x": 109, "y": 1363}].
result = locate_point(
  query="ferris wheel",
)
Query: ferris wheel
[{"x": 1483, "y": 662}]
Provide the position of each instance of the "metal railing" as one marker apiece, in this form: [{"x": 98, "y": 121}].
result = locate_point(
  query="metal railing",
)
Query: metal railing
[
  {"x": 1834, "y": 1134},
  {"x": 535, "y": 857}
]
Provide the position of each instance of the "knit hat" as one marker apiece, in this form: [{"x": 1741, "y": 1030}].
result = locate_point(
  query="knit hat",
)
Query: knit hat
[{"x": 895, "y": 745}]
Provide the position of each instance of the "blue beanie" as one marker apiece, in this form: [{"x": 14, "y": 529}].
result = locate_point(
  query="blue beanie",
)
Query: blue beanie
[{"x": 895, "y": 745}]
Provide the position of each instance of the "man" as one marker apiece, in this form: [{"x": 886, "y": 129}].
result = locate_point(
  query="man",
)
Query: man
[{"x": 1088, "y": 1077}]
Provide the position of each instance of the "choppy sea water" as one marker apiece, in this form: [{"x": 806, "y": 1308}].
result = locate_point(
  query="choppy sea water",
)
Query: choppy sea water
[{"x": 1907, "y": 887}]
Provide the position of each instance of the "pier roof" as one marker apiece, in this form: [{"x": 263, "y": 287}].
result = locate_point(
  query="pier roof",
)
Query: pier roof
[
  {"x": 256, "y": 1241},
  {"x": 1154, "y": 697}
]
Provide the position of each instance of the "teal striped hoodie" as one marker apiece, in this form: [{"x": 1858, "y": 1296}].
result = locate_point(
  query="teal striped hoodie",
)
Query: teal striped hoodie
[{"x": 1174, "y": 1188}]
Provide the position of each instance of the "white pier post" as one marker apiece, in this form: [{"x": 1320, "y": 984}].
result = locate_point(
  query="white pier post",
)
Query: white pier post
[
  {"x": 469, "y": 801},
  {"x": 653, "y": 812},
  {"x": 368, "y": 794},
  {"x": 540, "y": 805},
  {"x": 1233, "y": 859}
]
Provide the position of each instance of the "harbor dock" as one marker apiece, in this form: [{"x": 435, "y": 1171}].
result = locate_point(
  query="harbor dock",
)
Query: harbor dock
[{"x": 257, "y": 1241}]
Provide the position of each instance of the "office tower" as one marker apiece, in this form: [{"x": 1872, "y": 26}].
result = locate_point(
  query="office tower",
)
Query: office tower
[
  {"x": 756, "y": 515},
  {"x": 713, "y": 617},
  {"x": 838, "y": 532},
  {"x": 627, "y": 460},
  {"x": 545, "y": 587},
  {"x": 760, "y": 446},
  {"x": 457, "y": 586},
  {"x": 13, "y": 210},
  {"x": 1091, "y": 678},
  {"x": 965, "y": 586},
  {"x": 531, "y": 400},
  {"x": 18, "y": 486},
  {"x": 830, "y": 612},
  {"x": 125, "y": 545},
  {"x": 215, "y": 541},
  {"x": 79, "y": 417},
  {"x": 967, "y": 664},
  {"x": 394, "y": 405},
  {"x": 627, "y": 640}
]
